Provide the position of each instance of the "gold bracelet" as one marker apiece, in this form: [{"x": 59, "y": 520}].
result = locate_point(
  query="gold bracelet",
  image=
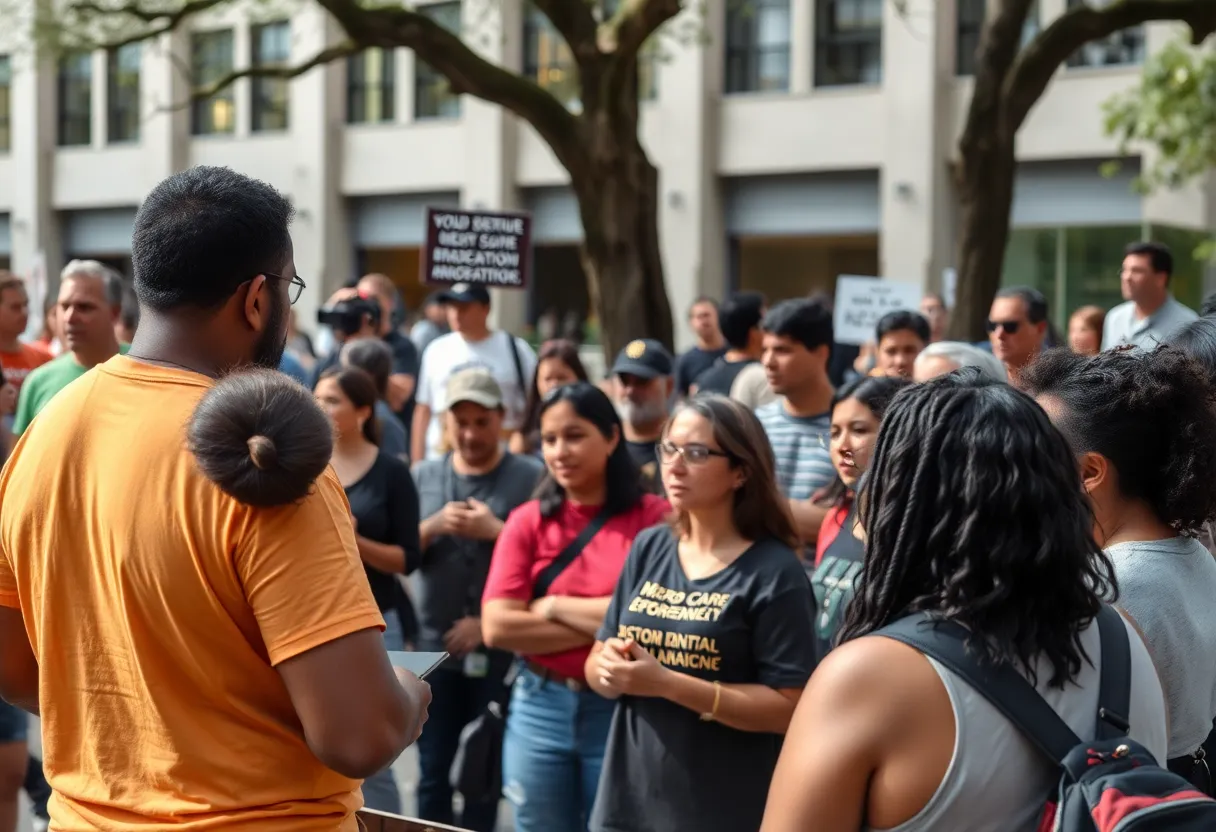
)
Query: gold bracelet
[{"x": 712, "y": 716}]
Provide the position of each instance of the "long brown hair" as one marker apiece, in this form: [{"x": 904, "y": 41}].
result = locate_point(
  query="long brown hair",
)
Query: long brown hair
[
  {"x": 760, "y": 511},
  {"x": 564, "y": 351}
]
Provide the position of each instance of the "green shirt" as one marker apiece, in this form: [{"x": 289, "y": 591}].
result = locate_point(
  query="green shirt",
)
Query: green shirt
[{"x": 41, "y": 385}]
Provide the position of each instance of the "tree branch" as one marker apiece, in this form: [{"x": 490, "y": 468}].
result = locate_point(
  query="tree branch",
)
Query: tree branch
[
  {"x": 576, "y": 24},
  {"x": 165, "y": 21},
  {"x": 636, "y": 20},
  {"x": 1037, "y": 64},
  {"x": 1000, "y": 38}
]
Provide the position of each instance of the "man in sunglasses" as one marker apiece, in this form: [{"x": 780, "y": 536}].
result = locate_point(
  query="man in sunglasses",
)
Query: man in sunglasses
[{"x": 1017, "y": 325}]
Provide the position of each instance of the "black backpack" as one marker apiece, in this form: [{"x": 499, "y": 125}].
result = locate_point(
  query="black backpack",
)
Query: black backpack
[{"x": 1112, "y": 783}]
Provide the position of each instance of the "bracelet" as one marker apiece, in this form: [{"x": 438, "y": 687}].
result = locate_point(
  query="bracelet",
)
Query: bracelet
[{"x": 712, "y": 716}]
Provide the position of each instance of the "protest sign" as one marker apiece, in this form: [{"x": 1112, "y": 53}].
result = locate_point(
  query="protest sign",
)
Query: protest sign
[
  {"x": 861, "y": 301},
  {"x": 480, "y": 247}
]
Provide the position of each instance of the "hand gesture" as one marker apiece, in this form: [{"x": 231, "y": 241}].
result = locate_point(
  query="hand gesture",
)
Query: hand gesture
[
  {"x": 464, "y": 637},
  {"x": 479, "y": 523},
  {"x": 419, "y": 694},
  {"x": 625, "y": 667}
]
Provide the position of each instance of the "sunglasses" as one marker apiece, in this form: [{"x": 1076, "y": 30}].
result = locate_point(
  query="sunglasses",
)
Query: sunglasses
[{"x": 1010, "y": 327}]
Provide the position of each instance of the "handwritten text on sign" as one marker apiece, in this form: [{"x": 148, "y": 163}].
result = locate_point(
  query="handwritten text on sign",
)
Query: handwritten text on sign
[
  {"x": 477, "y": 247},
  {"x": 861, "y": 301}
]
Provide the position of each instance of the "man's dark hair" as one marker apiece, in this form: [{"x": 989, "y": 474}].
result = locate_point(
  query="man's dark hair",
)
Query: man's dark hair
[
  {"x": 374, "y": 357},
  {"x": 973, "y": 510},
  {"x": 1152, "y": 414},
  {"x": 203, "y": 232},
  {"x": 1035, "y": 302},
  {"x": 902, "y": 319},
  {"x": 806, "y": 321},
  {"x": 1158, "y": 254},
  {"x": 738, "y": 315}
]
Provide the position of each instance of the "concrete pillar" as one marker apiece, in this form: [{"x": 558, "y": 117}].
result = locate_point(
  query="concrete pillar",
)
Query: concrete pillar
[
  {"x": 916, "y": 194},
  {"x": 164, "y": 91},
  {"x": 35, "y": 227}
]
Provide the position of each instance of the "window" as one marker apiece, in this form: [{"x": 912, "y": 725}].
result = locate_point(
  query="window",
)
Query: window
[
  {"x": 433, "y": 96},
  {"x": 848, "y": 42},
  {"x": 971, "y": 15},
  {"x": 548, "y": 60},
  {"x": 1123, "y": 48},
  {"x": 6, "y": 109},
  {"x": 122, "y": 93},
  {"x": 271, "y": 47},
  {"x": 75, "y": 99},
  {"x": 211, "y": 60},
  {"x": 757, "y": 46},
  {"x": 371, "y": 86}
]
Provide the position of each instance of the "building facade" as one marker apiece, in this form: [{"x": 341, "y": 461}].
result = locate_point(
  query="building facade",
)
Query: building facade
[{"x": 797, "y": 140}]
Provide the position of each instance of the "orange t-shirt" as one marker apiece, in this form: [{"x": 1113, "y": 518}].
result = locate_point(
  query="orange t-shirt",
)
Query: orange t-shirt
[
  {"x": 158, "y": 608},
  {"x": 17, "y": 365}
]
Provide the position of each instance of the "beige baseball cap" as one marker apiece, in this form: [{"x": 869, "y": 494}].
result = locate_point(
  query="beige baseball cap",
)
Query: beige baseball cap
[{"x": 476, "y": 385}]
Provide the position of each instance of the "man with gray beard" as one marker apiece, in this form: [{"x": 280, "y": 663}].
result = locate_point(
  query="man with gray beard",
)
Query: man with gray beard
[{"x": 642, "y": 384}]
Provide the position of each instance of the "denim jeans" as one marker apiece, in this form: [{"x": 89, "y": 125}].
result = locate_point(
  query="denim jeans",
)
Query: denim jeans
[
  {"x": 380, "y": 790},
  {"x": 456, "y": 700},
  {"x": 552, "y": 754}
]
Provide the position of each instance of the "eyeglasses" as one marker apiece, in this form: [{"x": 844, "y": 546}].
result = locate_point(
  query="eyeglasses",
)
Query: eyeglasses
[
  {"x": 294, "y": 290},
  {"x": 692, "y": 454},
  {"x": 1010, "y": 327}
]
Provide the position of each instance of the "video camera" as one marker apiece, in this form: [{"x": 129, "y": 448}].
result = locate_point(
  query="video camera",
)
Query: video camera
[{"x": 346, "y": 316}]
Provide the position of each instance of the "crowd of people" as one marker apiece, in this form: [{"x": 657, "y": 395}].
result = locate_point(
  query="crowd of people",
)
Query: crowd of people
[{"x": 671, "y": 583}]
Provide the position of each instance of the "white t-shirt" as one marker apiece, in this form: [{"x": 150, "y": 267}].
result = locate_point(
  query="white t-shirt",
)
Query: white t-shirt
[{"x": 449, "y": 353}]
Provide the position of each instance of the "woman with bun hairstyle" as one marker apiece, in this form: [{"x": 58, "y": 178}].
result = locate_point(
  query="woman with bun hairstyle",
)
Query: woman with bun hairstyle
[{"x": 384, "y": 507}]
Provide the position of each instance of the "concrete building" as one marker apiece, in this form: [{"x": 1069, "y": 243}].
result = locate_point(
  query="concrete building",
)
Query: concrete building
[{"x": 805, "y": 139}]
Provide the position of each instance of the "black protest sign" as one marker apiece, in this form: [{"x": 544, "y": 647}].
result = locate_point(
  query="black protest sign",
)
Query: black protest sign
[{"x": 479, "y": 247}]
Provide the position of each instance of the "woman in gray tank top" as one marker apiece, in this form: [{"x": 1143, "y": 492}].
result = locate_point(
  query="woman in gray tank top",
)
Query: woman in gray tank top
[
  {"x": 974, "y": 512},
  {"x": 1143, "y": 426}
]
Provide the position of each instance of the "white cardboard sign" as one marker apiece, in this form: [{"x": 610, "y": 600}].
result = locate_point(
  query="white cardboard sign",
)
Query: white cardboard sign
[{"x": 861, "y": 301}]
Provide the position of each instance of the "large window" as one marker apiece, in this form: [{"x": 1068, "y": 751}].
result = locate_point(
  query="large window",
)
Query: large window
[
  {"x": 122, "y": 93},
  {"x": 757, "y": 45},
  {"x": 971, "y": 14},
  {"x": 75, "y": 99},
  {"x": 6, "y": 107},
  {"x": 1120, "y": 49},
  {"x": 371, "y": 87},
  {"x": 848, "y": 42},
  {"x": 548, "y": 60},
  {"x": 433, "y": 96},
  {"x": 271, "y": 48},
  {"x": 211, "y": 57}
]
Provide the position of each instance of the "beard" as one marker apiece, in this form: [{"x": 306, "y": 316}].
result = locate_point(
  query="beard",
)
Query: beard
[
  {"x": 270, "y": 347},
  {"x": 647, "y": 413}
]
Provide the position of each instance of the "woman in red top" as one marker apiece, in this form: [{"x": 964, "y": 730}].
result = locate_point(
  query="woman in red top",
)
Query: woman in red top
[{"x": 557, "y": 727}]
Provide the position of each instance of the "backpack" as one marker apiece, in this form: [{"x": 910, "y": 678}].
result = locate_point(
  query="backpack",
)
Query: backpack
[{"x": 1111, "y": 784}]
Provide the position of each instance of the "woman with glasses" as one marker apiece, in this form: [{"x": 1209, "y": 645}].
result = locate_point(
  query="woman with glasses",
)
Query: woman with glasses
[
  {"x": 588, "y": 510},
  {"x": 708, "y": 641}
]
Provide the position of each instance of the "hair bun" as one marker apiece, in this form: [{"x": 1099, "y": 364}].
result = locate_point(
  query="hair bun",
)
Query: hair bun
[{"x": 262, "y": 452}]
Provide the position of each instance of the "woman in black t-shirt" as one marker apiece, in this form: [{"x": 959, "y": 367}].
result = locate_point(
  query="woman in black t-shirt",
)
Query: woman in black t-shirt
[
  {"x": 708, "y": 641},
  {"x": 857, "y": 409},
  {"x": 384, "y": 506}
]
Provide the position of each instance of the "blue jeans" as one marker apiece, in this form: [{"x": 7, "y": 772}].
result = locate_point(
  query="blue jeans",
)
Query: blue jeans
[
  {"x": 380, "y": 790},
  {"x": 456, "y": 700},
  {"x": 552, "y": 754}
]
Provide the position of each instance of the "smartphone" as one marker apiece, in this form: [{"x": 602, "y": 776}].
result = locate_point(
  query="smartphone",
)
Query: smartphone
[{"x": 420, "y": 664}]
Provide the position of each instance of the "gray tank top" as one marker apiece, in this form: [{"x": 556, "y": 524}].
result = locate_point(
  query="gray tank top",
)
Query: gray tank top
[{"x": 997, "y": 781}]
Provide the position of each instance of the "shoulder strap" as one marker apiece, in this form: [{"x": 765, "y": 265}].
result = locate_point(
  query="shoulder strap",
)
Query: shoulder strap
[
  {"x": 519, "y": 364},
  {"x": 566, "y": 557},
  {"x": 1115, "y": 687},
  {"x": 1007, "y": 690}
]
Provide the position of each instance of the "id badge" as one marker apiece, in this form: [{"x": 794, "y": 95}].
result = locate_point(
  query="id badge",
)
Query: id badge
[{"x": 476, "y": 665}]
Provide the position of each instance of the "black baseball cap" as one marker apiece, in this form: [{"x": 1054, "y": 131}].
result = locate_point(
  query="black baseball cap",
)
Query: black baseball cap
[
  {"x": 465, "y": 293},
  {"x": 644, "y": 358}
]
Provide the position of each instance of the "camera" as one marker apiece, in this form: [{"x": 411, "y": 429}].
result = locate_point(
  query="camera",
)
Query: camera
[{"x": 346, "y": 316}]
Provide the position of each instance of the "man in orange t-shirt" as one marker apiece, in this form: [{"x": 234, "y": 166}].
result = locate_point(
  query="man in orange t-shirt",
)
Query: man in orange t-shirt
[
  {"x": 16, "y": 358},
  {"x": 198, "y": 663}
]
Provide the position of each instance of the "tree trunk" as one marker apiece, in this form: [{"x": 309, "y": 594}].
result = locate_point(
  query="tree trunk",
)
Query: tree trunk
[
  {"x": 618, "y": 197},
  {"x": 985, "y": 186}
]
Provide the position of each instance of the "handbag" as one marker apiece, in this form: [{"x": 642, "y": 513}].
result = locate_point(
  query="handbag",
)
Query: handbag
[{"x": 477, "y": 767}]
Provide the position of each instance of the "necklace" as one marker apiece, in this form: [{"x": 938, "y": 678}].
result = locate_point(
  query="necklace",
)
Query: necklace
[{"x": 165, "y": 361}]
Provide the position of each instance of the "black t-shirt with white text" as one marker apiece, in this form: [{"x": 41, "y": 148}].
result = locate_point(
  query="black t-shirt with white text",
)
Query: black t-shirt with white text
[{"x": 666, "y": 770}]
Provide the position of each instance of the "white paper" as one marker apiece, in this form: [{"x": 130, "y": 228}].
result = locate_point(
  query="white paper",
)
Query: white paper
[{"x": 861, "y": 301}]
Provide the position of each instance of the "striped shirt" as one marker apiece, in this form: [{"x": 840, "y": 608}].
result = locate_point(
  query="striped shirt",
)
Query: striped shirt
[{"x": 803, "y": 463}]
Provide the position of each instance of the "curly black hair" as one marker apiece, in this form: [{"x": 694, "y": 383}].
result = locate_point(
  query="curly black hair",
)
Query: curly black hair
[
  {"x": 974, "y": 511},
  {"x": 1152, "y": 414}
]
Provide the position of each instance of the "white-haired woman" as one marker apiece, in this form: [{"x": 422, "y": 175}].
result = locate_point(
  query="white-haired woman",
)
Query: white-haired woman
[{"x": 943, "y": 357}]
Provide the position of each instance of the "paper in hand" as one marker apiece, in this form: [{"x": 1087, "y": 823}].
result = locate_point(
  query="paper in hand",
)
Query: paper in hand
[{"x": 420, "y": 664}]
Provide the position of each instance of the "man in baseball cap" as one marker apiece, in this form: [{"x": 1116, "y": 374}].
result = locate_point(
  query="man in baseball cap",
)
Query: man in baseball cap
[
  {"x": 642, "y": 385},
  {"x": 466, "y": 293}
]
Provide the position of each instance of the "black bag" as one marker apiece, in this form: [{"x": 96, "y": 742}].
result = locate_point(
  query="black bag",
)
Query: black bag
[
  {"x": 477, "y": 767},
  {"x": 1110, "y": 784}
]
